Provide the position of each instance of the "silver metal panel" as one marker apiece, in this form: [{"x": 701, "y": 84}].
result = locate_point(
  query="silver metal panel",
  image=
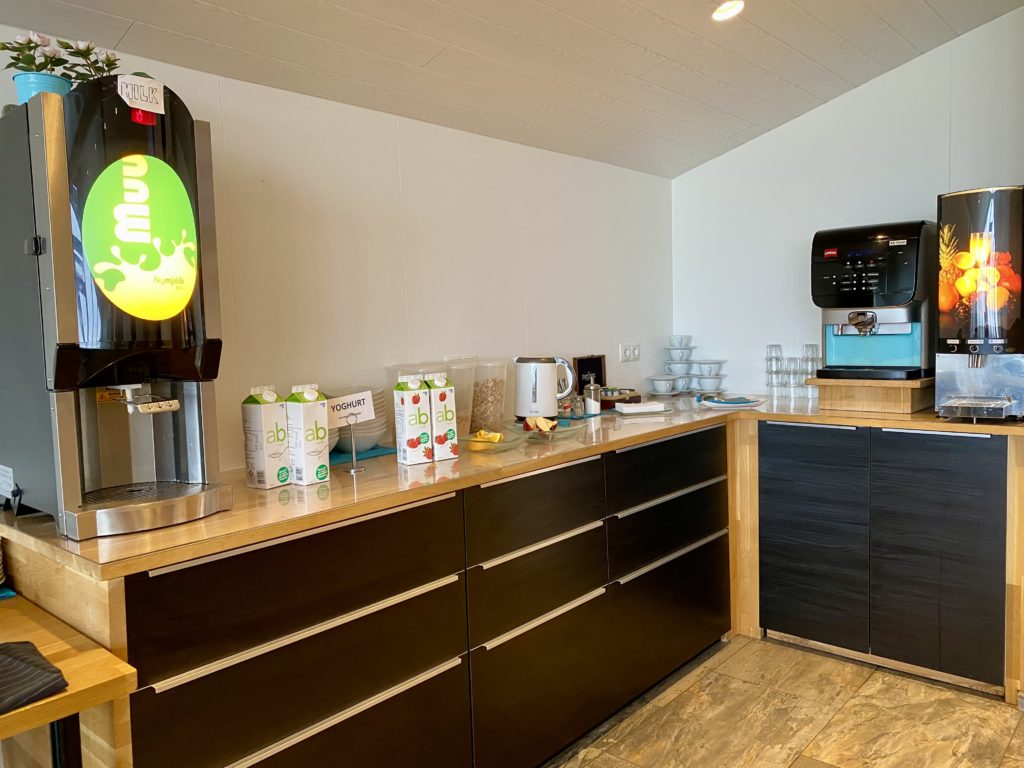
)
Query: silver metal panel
[
  {"x": 207, "y": 230},
  {"x": 142, "y": 507},
  {"x": 910, "y": 313},
  {"x": 1000, "y": 376}
]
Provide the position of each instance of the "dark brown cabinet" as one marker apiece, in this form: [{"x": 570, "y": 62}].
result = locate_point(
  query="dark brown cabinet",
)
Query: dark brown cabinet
[
  {"x": 187, "y": 617},
  {"x": 813, "y": 527},
  {"x": 938, "y": 551}
]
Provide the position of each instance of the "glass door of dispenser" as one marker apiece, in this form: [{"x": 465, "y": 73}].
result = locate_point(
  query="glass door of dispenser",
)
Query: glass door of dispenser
[{"x": 980, "y": 269}]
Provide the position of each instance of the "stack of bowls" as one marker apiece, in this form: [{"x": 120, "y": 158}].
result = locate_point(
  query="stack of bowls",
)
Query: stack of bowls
[{"x": 367, "y": 434}]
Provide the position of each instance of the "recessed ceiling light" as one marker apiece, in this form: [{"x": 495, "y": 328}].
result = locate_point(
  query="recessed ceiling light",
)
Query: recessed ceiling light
[{"x": 727, "y": 10}]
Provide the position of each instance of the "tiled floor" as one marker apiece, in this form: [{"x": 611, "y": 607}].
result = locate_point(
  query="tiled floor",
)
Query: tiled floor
[{"x": 761, "y": 704}]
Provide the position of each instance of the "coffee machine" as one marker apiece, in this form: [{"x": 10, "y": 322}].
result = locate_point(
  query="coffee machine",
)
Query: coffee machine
[
  {"x": 110, "y": 340},
  {"x": 980, "y": 345},
  {"x": 874, "y": 285}
]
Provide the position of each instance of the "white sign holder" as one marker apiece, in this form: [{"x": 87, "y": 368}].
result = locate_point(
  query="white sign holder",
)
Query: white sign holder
[{"x": 351, "y": 410}]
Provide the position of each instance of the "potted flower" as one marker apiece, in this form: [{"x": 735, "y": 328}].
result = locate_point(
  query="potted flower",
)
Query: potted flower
[{"x": 38, "y": 60}]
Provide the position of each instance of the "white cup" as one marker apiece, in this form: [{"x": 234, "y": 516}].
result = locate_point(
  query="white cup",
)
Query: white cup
[
  {"x": 679, "y": 353},
  {"x": 679, "y": 340},
  {"x": 710, "y": 382},
  {"x": 682, "y": 384},
  {"x": 709, "y": 369},
  {"x": 662, "y": 386},
  {"x": 677, "y": 368}
]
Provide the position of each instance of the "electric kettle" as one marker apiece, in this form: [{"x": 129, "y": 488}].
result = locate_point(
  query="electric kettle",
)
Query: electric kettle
[{"x": 537, "y": 392}]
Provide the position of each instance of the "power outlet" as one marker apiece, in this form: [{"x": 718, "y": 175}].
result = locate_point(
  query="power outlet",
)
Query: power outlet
[
  {"x": 629, "y": 353},
  {"x": 634, "y": 352}
]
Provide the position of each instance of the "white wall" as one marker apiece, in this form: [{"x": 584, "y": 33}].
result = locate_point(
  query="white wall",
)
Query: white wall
[
  {"x": 742, "y": 223},
  {"x": 351, "y": 239}
]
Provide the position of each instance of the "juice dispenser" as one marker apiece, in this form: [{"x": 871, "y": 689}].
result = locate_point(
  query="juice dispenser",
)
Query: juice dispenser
[
  {"x": 110, "y": 340},
  {"x": 980, "y": 347}
]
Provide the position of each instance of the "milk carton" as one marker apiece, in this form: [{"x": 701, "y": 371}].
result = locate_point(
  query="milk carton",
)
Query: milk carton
[
  {"x": 442, "y": 414},
  {"x": 265, "y": 427},
  {"x": 413, "y": 429},
  {"x": 307, "y": 435}
]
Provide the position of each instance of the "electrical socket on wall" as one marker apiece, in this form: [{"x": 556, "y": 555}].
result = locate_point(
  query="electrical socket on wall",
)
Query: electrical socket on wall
[{"x": 629, "y": 353}]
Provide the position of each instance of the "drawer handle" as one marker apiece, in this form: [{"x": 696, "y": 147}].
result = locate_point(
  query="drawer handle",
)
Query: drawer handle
[
  {"x": 669, "y": 558},
  {"x": 294, "y": 536},
  {"x": 540, "y": 545},
  {"x": 937, "y": 432},
  {"x": 490, "y": 645},
  {"x": 538, "y": 472},
  {"x": 666, "y": 439},
  {"x": 259, "y": 650},
  {"x": 345, "y": 714},
  {"x": 667, "y": 497},
  {"x": 811, "y": 426}
]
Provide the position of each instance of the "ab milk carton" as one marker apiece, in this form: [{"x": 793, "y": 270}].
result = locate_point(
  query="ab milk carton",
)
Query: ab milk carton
[
  {"x": 413, "y": 428},
  {"x": 307, "y": 435},
  {"x": 265, "y": 426},
  {"x": 442, "y": 414}
]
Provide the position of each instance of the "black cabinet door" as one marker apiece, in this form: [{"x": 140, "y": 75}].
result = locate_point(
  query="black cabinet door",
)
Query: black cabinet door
[
  {"x": 814, "y": 543},
  {"x": 646, "y": 472},
  {"x": 538, "y": 691},
  {"x": 663, "y": 617},
  {"x": 938, "y": 551},
  {"x": 507, "y": 515},
  {"x": 425, "y": 726}
]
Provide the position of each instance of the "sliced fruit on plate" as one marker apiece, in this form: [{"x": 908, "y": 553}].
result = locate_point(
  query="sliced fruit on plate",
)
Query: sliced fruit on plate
[
  {"x": 539, "y": 424},
  {"x": 489, "y": 437}
]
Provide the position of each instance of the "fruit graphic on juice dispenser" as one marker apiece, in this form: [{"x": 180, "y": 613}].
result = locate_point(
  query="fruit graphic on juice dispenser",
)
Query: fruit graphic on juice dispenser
[{"x": 980, "y": 279}]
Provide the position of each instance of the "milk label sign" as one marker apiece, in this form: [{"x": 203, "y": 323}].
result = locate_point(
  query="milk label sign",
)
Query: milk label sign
[
  {"x": 139, "y": 237},
  {"x": 141, "y": 93}
]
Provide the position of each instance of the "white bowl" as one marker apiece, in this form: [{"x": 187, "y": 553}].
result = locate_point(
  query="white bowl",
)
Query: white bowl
[
  {"x": 364, "y": 440},
  {"x": 710, "y": 382},
  {"x": 679, "y": 340},
  {"x": 708, "y": 367}
]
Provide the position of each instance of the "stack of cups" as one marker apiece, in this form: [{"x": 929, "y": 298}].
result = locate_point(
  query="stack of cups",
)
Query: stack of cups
[
  {"x": 774, "y": 365},
  {"x": 788, "y": 375},
  {"x": 811, "y": 362}
]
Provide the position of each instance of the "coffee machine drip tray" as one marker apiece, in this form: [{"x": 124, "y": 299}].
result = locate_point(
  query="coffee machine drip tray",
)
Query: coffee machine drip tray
[
  {"x": 142, "y": 507},
  {"x": 896, "y": 373}
]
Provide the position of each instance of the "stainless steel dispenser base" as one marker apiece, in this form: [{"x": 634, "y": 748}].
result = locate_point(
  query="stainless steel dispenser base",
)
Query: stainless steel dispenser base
[{"x": 142, "y": 507}]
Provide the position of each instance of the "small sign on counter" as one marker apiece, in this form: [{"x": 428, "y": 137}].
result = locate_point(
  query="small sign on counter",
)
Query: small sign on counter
[{"x": 341, "y": 409}]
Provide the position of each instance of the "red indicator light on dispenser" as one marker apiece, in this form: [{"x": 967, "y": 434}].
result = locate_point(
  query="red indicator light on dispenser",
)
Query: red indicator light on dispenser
[
  {"x": 142, "y": 117},
  {"x": 831, "y": 253}
]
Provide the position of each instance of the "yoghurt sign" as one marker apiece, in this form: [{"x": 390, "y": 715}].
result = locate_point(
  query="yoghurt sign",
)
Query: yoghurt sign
[{"x": 139, "y": 237}]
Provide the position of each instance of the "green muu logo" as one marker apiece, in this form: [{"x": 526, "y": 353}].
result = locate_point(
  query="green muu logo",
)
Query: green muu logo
[{"x": 139, "y": 237}]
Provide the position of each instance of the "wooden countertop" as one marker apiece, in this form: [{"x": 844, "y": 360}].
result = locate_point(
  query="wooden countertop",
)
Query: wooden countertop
[
  {"x": 259, "y": 516},
  {"x": 95, "y": 676}
]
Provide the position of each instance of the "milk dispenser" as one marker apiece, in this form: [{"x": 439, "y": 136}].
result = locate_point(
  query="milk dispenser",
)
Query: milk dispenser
[
  {"x": 110, "y": 339},
  {"x": 980, "y": 348}
]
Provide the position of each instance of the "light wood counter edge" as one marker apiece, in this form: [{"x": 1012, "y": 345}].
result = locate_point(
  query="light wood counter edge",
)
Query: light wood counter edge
[{"x": 259, "y": 534}]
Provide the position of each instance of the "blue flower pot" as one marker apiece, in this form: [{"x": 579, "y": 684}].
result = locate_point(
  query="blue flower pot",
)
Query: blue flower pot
[{"x": 28, "y": 84}]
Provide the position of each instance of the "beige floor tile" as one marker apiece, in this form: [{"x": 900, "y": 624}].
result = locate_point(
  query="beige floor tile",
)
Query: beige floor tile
[
  {"x": 818, "y": 677},
  {"x": 900, "y": 722},
  {"x": 808, "y": 762},
  {"x": 584, "y": 757},
  {"x": 1012, "y": 762},
  {"x": 720, "y": 722},
  {"x": 1015, "y": 750},
  {"x": 698, "y": 671},
  {"x": 604, "y": 760}
]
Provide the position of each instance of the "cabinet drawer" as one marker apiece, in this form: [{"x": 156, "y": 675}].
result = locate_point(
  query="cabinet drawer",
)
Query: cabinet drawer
[
  {"x": 641, "y": 474},
  {"x": 424, "y": 726},
  {"x": 667, "y": 615},
  {"x": 510, "y": 515},
  {"x": 537, "y": 692},
  {"x": 638, "y": 538},
  {"x": 258, "y": 701},
  {"x": 504, "y": 595},
  {"x": 185, "y": 617}
]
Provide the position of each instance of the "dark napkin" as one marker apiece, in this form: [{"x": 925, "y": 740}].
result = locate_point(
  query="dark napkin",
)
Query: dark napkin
[{"x": 26, "y": 676}]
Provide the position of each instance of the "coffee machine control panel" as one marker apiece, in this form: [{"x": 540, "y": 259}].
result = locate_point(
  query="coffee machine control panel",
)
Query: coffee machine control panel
[{"x": 862, "y": 267}]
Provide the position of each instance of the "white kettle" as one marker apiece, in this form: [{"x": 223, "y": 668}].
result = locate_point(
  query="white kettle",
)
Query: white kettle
[{"x": 537, "y": 380}]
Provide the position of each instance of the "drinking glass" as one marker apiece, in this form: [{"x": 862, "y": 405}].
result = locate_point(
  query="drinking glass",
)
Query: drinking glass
[
  {"x": 811, "y": 352},
  {"x": 773, "y": 365},
  {"x": 774, "y": 352}
]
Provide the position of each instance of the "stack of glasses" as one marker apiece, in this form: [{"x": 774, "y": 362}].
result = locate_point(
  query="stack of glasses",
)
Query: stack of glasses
[{"x": 788, "y": 375}]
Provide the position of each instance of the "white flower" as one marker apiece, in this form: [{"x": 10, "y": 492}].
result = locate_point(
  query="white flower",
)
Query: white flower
[
  {"x": 84, "y": 46},
  {"x": 47, "y": 52},
  {"x": 108, "y": 57},
  {"x": 21, "y": 39},
  {"x": 38, "y": 39}
]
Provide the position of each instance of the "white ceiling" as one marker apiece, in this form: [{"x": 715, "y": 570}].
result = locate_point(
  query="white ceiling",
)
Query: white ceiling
[{"x": 653, "y": 85}]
